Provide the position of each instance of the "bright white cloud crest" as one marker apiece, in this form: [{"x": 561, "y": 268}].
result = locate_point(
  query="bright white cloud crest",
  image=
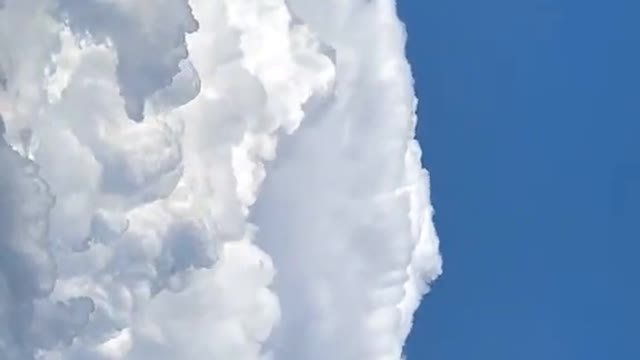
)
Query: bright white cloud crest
[{"x": 209, "y": 179}]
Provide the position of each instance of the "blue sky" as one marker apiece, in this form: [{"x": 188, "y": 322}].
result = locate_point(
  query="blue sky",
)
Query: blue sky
[{"x": 530, "y": 125}]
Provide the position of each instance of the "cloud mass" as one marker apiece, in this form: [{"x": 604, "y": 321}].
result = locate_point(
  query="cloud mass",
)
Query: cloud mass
[{"x": 209, "y": 179}]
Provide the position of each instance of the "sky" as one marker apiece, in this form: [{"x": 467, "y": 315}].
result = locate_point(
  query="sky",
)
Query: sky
[
  {"x": 529, "y": 123},
  {"x": 226, "y": 179}
]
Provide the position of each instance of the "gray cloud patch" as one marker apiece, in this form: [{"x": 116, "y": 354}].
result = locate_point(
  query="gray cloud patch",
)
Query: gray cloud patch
[
  {"x": 28, "y": 319},
  {"x": 149, "y": 52}
]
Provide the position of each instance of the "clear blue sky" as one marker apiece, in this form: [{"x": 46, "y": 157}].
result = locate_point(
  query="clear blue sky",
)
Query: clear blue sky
[{"x": 530, "y": 124}]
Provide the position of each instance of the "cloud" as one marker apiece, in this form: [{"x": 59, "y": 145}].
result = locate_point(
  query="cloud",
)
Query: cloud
[
  {"x": 30, "y": 319},
  {"x": 266, "y": 202},
  {"x": 148, "y": 37}
]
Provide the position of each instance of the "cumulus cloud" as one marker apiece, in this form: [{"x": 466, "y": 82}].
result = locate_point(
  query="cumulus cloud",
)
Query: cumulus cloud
[
  {"x": 220, "y": 179},
  {"x": 148, "y": 37},
  {"x": 31, "y": 320}
]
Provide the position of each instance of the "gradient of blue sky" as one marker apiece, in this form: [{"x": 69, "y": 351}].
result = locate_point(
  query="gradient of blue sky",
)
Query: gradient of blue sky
[{"x": 530, "y": 124}]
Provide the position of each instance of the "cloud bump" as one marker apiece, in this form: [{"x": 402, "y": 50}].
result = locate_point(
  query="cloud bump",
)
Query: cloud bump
[{"x": 219, "y": 179}]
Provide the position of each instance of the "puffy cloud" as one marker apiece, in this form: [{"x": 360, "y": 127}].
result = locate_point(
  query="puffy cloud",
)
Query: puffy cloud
[
  {"x": 30, "y": 319},
  {"x": 147, "y": 35},
  {"x": 268, "y": 201}
]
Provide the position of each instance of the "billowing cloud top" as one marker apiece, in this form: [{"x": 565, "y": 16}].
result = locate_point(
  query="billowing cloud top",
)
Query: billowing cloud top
[{"x": 209, "y": 179}]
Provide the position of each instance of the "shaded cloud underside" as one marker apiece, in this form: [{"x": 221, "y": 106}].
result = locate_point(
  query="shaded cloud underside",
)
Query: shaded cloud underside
[{"x": 209, "y": 179}]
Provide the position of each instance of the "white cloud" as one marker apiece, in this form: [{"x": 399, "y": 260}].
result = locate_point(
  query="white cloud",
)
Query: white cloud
[{"x": 267, "y": 202}]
